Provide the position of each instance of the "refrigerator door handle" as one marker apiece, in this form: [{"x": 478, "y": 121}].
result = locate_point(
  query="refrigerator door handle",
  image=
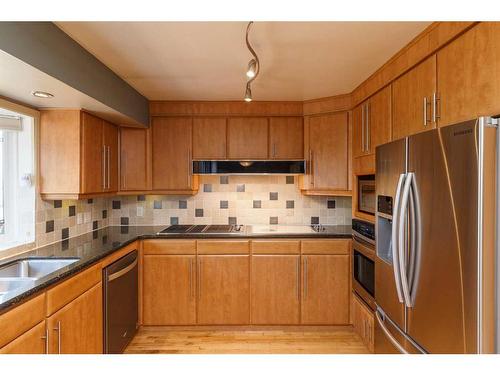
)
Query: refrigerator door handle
[
  {"x": 416, "y": 240},
  {"x": 394, "y": 238},
  {"x": 388, "y": 334},
  {"x": 401, "y": 239}
]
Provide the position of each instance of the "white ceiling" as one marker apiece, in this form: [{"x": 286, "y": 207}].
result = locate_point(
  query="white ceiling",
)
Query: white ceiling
[{"x": 207, "y": 60}]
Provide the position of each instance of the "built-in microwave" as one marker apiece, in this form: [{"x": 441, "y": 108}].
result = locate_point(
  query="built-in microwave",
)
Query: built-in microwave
[{"x": 366, "y": 194}]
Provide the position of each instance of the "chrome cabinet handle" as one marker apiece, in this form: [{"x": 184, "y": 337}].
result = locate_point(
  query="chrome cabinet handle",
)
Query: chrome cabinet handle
[
  {"x": 425, "y": 111},
  {"x": 368, "y": 130},
  {"x": 311, "y": 166},
  {"x": 401, "y": 239},
  {"x": 394, "y": 238},
  {"x": 199, "y": 278},
  {"x": 46, "y": 338},
  {"x": 435, "y": 115},
  {"x": 123, "y": 169},
  {"x": 58, "y": 328},
  {"x": 189, "y": 173},
  {"x": 190, "y": 278},
  {"x": 297, "y": 281},
  {"x": 104, "y": 167},
  {"x": 305, "y": 278},
  {"x": 363, "y": 127},
  {"x": 109, "y": 167}
]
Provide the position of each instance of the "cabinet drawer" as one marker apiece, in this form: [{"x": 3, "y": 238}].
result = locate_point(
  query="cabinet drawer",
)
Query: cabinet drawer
[
  {"x": 169, "y": 247},
  {"x": 326, "y": 247},
  {"x": 275, "y": 247},
  {"x": 67, "y": 291},
  {"x": 223, "y": 247},
  {"x": 20, "y": 319}
]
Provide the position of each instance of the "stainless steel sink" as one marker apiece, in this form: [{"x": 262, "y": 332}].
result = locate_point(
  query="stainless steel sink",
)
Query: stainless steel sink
[
  {"x": 10, "y": 284},
  {"x": 34, "y": 268}
]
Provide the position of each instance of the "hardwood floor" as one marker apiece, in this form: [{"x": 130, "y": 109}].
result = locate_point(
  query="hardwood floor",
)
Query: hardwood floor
[{"x": 165, "y": 340}]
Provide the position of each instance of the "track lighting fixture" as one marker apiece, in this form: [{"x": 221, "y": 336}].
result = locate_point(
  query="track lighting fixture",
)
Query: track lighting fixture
[{"x": 253, "y": 67}]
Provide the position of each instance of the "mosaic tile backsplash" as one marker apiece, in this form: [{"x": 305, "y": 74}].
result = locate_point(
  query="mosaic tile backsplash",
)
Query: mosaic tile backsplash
[
  {"x": 220, "y": 200},
  {"x": 234, "y": 200}
]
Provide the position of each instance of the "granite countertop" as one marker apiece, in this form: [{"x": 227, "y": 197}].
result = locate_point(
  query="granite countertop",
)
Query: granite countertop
[{"x": 91, "y": 247}]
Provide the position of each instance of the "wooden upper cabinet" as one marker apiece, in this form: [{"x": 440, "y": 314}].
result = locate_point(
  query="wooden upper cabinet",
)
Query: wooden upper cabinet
[
  {"x": 325, "y": 289},
  {"x": 171, "y": 148},
  {"x": 77, "y": 327},
  {"x": 223, "y": 289},
  {"x": 286, "y": 138},
  {"x": 328, "y": 152},
  {"x": 78, "y": 155},
  {"x": 413, "y": 100},
  {"x": 247, "y": 138},
  {"x": 93, "y": 155},
  {"x": 379, "y": 119},
  {"x": 468, "y": 75},
  {"x": 209, "y": 138},
  {"x": 169, "y": 289},
  {"x": 134, "y": 159},
  {"x": 275, "y": 289}
]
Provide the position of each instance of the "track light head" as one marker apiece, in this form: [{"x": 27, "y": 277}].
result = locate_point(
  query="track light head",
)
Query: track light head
[{"x": 248, "y": 93}]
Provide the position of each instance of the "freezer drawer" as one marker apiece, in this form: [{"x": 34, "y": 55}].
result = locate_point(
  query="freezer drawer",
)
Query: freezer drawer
[{"x": 391, "y": 340}]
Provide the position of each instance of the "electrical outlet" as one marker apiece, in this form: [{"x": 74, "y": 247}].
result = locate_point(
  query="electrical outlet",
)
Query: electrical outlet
[
  {"x": 79, "y": 218},
  {"x": 140, "y": 211}
]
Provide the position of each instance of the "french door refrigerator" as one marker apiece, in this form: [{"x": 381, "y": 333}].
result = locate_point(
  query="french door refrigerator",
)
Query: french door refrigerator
[{"x": 436, "y": 225}]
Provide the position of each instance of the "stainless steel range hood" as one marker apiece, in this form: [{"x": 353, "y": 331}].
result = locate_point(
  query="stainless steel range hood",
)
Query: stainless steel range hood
[{"x": 249, "y": 167}]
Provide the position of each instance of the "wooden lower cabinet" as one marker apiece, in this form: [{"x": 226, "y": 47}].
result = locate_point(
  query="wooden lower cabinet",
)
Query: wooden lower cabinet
[
  {"x": 30, "y": 342},
  {"x": 169, "y": 285},
  {"x": 275, "y": 289},
  {"x": 223, "y": 289},
  {"x": 363, "y": 322},
  {"x": 325, "y": 289},
  {"x": 77, "y": 328}
]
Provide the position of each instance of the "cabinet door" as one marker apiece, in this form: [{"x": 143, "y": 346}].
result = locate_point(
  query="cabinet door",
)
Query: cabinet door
[
  {"x": 31, "y": 342},
  {"x": 110, "y": 141},
  {"x": 171, "y": 153},
  {"x": 363, "y": 322},
  {"x": 325, "y": 290},
  {"x": 410, "y": 115},
  {"x": 169, "y": 285},
  {"x": 468, "y": 75},
  {"x": 134, "y": 159},
  {"x": 329, "y": 151},
  {"x": 77, "y": 327},
  {"x": 358, "y": 131},
  {"x": 92, "y": 157},
  {"x": 379, "y": 119},
  {"x": 209, "y": 138},
  {"x": 248, "y": 138},
  {"x": 286, "y": 135},
  {"x": 223, "y": 289},
  {"x": 275, "y": 289}
]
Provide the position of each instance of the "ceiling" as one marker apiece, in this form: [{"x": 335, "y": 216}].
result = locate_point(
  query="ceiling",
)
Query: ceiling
[{"x": 208, "y": 60}]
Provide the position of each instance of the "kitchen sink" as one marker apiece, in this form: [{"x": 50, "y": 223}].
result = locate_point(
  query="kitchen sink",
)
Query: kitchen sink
[
  {"x": 10, "y": 284},
  {"x": 34, "y": 268}
]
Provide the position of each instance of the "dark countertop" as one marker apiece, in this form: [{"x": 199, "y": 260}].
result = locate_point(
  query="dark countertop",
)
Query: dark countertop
[{"x": 94, "y": 246}]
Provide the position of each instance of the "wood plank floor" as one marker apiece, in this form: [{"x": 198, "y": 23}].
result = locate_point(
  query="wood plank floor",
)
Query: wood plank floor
[{"x": 165, "y": 340}]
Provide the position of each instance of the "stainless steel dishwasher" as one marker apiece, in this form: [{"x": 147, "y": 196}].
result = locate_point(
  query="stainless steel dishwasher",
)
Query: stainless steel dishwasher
[{"x": 120, "y": 303}]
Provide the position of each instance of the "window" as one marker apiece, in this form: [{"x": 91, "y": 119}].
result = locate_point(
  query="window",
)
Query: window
[{"x": 17, "y": 190}]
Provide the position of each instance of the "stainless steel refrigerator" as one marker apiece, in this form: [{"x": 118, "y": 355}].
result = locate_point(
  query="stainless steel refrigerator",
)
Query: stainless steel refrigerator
[{"x": 436, "y": 225}]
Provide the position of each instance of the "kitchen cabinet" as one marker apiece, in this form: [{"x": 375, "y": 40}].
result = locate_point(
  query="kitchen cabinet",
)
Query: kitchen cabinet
[
  {"x": 327, "y": 146},
  {"x": 325, "y": 289},
  {"x": 415, "y": 100},
  {"x": 372, "y": 123},
  {"x": 223, "y": 289},
  {"x": 77, "y": 328},
  {"x": 33, "y": 341},
  {"x": 169, "y": 289},
  {"x": 275, "y": 289},
  {"x": 171, "y": 148},
  {"x": 209, "y": 138},
  {"x": 286, "y": 138},
  {"x": 468, "y": 75},
  {"x": 78, "y": 155},
  {"x": 135, "y": 160},
  {"x": 247, "y": 138},
  {"x": 363, "y": 322}
]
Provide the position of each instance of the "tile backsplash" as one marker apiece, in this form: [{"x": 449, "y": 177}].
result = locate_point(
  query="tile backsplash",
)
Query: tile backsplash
[{"x": 234, "y": 200}]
